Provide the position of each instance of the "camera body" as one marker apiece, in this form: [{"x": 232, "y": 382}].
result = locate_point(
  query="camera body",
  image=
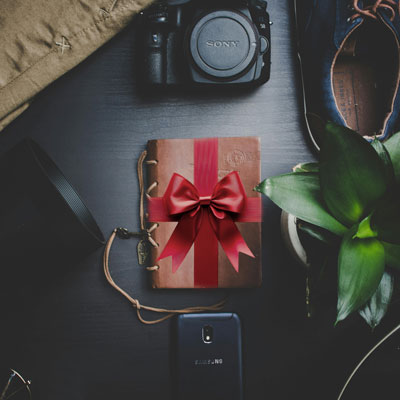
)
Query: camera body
[{"x": 204, "y": 42}]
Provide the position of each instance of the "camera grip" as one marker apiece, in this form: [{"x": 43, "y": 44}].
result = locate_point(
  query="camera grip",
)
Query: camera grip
[{"x": 154, "y": 59}]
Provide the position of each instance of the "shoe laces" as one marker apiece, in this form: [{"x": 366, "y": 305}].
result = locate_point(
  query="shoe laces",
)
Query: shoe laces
[{"x": 371, "y": 10}]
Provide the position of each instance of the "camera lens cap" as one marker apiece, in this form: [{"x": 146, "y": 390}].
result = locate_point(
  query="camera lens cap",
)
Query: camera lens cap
[{"x": 224, "y": 44}]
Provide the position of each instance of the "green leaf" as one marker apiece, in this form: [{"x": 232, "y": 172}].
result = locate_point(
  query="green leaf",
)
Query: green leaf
[
  {"x": 299, "y": 194},
  {"x": 392, "y": 255},
  {"x": 385, "y": 220},
  {"x": 352, "y": 175},
  {"x": 393, "y": 147},
  {"x": 317, "y": 232},
  {"x": 376, "y": 307},
  {"x": 361, "y": 265},
  {"x": 385, "y": 157},
  {"x": 364, "y": 229},
  {"x": 306, "y": 167}
]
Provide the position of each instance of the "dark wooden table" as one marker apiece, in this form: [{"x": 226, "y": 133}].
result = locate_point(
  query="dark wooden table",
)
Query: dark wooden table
[{"x": 77, "y": 338}]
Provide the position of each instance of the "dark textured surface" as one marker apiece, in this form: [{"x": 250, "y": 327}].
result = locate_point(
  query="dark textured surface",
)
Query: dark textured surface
[{"x": 79, "y": 339}]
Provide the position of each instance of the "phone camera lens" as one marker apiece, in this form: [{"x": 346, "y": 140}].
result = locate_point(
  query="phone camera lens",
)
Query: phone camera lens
[{"x": 208, "y": 334}]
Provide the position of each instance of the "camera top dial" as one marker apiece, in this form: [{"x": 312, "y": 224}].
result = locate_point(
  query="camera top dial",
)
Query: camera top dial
[{"x": 223, "y": 44}]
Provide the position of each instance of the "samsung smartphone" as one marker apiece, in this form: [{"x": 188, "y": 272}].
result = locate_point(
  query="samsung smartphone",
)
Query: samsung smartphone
[{"x": 208, "y": 357}]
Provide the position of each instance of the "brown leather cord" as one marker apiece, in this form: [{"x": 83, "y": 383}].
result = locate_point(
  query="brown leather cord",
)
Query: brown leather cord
[
  {"x": 135, "y": 302},
  {"x": 141, "y": 203},
  {"x": 371, "y": 10},
  {"x": 147, "y": 234}
]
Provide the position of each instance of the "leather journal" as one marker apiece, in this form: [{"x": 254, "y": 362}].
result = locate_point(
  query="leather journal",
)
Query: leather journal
[{"x": 205, "y": 215}]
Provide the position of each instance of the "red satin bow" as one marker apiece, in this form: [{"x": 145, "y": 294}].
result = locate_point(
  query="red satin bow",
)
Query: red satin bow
[{"x": 183, "y": 199}]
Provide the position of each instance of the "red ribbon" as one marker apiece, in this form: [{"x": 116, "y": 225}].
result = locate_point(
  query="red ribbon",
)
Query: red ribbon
[
  {"x": 206, "y": 213},
  {"x": 183, "y": 198}
]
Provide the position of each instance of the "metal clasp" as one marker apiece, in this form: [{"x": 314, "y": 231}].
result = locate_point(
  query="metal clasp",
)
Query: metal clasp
[{"x": 124, "y": 233}]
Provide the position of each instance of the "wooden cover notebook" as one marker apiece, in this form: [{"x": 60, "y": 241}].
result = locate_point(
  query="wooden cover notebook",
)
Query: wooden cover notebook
[{"x": 222, "y": 171}]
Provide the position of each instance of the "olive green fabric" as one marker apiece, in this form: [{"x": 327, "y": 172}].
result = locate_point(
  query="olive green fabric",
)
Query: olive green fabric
[{"x": 40, "y": 40}]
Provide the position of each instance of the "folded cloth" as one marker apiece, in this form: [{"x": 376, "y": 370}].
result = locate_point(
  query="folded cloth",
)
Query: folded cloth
[{"x": 40, "y": 40}]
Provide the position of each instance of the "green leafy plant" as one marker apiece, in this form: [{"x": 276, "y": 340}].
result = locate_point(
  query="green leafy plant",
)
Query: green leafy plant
[{"x": 353, "y": 192}]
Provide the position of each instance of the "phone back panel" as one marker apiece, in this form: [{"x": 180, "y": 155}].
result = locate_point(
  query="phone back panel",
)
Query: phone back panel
[{"x": 209, "y": 371}]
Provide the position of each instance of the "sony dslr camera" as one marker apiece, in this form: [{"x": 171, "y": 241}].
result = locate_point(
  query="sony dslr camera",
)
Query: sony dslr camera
[{"x": 214, "y": 42}]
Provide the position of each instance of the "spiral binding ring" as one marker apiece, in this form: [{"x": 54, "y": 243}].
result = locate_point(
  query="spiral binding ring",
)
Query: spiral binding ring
[{"x": 151, "y": 187}]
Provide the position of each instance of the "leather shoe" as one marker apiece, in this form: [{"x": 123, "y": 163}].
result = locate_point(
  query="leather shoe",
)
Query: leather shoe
[{"x": 349, "y": 56}]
